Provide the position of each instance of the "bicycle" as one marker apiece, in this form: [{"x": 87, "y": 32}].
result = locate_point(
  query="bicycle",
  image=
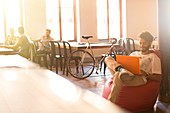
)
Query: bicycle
[{"x": 81, "y": 63}]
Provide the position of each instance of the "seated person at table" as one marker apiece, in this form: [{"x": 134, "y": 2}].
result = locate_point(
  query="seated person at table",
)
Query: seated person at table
[
  {"x": 22, "y": 44},
  {"x": 44, "y": 46},
  {"x": 150, "y": 66},
  {"x": 10, "y": 39}
]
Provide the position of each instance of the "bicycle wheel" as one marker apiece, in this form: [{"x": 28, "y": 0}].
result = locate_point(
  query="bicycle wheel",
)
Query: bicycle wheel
[{"x": 81, "y": 64}]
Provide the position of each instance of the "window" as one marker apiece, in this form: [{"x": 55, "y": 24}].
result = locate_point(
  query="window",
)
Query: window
[
  {"x": 2, "y": 33},
  {"x": 114, "y": 19},
  {"x": 9, "y": 17},
  {"x": 102, "y": 19},
  {"x": 61, "y": 19},
  {"x": 52, "y": 14},
  {"x": 67, "y": 19},
  {"x": 109, "y": 18}
]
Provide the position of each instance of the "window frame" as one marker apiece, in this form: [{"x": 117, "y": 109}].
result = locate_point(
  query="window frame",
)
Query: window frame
[
  {"x": 74, "y": 21},
  {"x": 121, "y": 21},
  {"x": 4, "y": 16}
]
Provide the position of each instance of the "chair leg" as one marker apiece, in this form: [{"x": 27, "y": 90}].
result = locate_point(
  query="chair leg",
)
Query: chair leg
[
  {"x": 51, "y": 62},
  {"x": 64, "y": 66},
  {"x": 104, "y": 68},
  {"x": 101, "y": 63},
  {"x": 51, "y": 65},
  {"x": 39, "y": 60},
  {"x": 56, "y": 65},
  {"x": 61, "y": 64},
  {"x": 45, "y": 61},
  {"x": 76, "y": 62},
  {"x": 66, "y": 71}
]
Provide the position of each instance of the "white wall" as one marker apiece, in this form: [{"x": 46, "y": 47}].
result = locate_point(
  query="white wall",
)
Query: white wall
[
  {"x": 141, "y": 16},
  {"x": 35, "y": 17}
]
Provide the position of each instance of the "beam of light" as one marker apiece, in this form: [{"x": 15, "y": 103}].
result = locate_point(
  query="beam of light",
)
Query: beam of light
[
  {"x": 64, "y": 88},
  {"x": 12, "y": 11}
]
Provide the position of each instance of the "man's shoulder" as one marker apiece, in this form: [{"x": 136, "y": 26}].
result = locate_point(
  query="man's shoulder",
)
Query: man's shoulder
[{"x": 154, "y": 55}]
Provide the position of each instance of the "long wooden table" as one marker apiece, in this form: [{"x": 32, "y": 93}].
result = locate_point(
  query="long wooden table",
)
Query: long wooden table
[
  {"x": 30, "y": 89},
  {"x": 76, "y": 45},
  {"x": 16, "y": 61}
]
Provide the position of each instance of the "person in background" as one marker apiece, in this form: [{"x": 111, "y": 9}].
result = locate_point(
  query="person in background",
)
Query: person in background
[
  {"x": 44, "y": 46},
  {"x": 150, "y": 67},
  {"x": 22, "y": 44},
  {"x": 10, "y": 39}
]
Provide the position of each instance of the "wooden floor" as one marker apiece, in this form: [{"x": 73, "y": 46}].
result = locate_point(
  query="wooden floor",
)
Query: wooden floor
[{"x": 95, "y": 83}]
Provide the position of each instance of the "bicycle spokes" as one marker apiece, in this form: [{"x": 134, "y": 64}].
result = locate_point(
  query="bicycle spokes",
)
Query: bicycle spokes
[{"x": 81, "y": 64}]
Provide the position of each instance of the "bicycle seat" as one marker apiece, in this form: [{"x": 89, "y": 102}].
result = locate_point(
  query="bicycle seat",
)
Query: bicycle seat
[{"x": 87, "y": 37}]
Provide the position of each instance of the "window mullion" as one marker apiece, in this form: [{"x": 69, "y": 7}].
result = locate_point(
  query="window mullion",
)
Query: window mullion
[
  {"x": 60, "y": 26},
  {"x": 108, "y": 30},
  {"x": 75, "y": 20},
  {"x": 21, "y": 12},
  {"x": 4, "y": 14},
  {"x": 121, "y": 25}
]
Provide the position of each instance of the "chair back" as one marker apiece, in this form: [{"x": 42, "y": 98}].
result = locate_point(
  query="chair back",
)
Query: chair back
[
  {"x": 67, "y": 48},
  {"x": 67, "y": 52},
  {"x": 32, "y": 51},
  {"x": 55, "y": 44},
  {"x": 118, "y": 51},
  {"x": 127, "y": 43},
  {"x": 36, "y": 44},
  {"x": 121, "y": 42}
]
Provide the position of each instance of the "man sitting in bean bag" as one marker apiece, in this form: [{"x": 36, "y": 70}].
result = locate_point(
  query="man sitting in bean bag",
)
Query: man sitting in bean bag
[{"x": 135, "y": 92}]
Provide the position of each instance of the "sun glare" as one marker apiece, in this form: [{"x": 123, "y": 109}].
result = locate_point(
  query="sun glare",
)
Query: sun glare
[
  {"x": 1, "y": 22},
  {"x": 12, "y": 14},
  {"x": 63, "y": 88}
]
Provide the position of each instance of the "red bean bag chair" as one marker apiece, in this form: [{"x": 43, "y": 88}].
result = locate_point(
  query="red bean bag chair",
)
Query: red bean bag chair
[{"x": 135, "y": 99}]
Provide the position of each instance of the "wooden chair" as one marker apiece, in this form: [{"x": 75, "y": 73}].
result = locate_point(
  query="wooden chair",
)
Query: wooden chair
[
  {"x": 36, "y": 57},
  {"x": 67, "y": 52},
  {"x": 56, "y": 54},
  {"x": 127, "y": 43},
  {"x": 121, "y": 43}
]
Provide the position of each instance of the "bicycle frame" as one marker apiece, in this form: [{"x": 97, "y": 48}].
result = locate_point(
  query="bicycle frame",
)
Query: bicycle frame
[
  {"x": 97, "y": 62},
  {"x": 81, "y": 63}
]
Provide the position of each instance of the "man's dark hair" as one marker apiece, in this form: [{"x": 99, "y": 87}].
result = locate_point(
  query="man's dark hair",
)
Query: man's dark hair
[
  {"x": 146, "y": 36},
  {"x": 48, "y": 30},
  {"x": 21, "y": 30}
]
